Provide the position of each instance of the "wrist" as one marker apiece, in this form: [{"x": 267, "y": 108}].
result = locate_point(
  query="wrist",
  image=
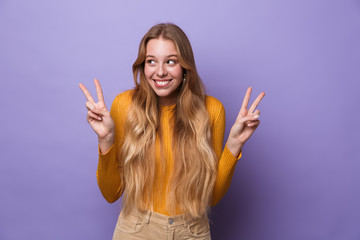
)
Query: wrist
[
  {"x": 105, "y": 144},
  {"x": 110, "y": 138},
  {"x": 234, "y": 148}
]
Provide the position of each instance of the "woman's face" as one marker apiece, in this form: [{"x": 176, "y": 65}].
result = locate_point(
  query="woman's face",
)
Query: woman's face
[{"x": 162, "y": 69}]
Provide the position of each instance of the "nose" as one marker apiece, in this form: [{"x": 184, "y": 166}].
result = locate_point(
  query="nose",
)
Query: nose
[{"x": 161, "y": 71}]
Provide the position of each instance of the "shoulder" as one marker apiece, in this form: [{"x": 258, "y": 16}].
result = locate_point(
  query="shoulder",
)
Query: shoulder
[
  {"x": 215, "y": 109},
  {"x": 125, "y": 96},
  {"x": 122, "y": 101},
  {"x": 212, "y": 102}
]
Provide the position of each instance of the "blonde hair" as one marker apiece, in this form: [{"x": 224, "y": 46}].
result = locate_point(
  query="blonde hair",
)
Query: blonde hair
[{"x": 195, "y": 164}]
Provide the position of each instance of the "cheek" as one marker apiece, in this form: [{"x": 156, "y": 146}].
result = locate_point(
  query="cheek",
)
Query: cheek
[
  {"x": 148, "y": 76},
  {"x": 178, "y": 73},
  {"x": 147, "y": 72}
]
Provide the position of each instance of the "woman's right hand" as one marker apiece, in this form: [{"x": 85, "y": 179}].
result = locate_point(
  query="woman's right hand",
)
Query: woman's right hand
[{"x": 98, "y": 115}]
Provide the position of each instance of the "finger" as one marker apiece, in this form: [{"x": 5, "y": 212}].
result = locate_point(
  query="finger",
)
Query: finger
[
  {"x": 253, "y": 123},
  {"x": 86, "y": 93},
  {"x": 248, "y": 118},
  {"x": 257, "y": 112},
  {"x": 246, "y": 98},
  {"x": 89, "y": 106},
  {"x": 243, "y": 110},
  {"x": 91, "y": 115},
  {"x": 100, "y": 112},
  {"x": 256, "y": 102},
  {"x": 99, "y": 91},
  {"x": 97, "y": 111}
]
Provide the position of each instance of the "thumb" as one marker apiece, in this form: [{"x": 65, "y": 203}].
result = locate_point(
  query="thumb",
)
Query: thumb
[{"x": 248, "y": 118}]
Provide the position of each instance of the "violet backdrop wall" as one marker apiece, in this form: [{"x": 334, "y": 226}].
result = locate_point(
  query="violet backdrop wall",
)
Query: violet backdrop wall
[{"x": 299, "y": 175}]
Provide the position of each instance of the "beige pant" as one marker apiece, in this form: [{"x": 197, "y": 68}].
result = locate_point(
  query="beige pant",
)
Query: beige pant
[{"x": 156, "y": 226}]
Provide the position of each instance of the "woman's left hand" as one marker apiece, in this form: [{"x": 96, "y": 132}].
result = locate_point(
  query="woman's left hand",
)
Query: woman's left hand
[{"x": 246, "y": 123}]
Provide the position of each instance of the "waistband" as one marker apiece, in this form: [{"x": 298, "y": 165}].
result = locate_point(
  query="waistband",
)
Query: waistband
[
  {"x": 164, "y": 220},
  {"x": 173, "y": 221}
]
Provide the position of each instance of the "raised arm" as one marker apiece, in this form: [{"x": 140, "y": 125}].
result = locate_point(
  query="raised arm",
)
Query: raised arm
[
  {"x": 99, "y": 117},
  {"x": 245, "y": 125}
]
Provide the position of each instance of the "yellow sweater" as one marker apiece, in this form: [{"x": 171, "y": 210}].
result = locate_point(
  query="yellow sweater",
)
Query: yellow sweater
[{"x": 109, "y": 169}]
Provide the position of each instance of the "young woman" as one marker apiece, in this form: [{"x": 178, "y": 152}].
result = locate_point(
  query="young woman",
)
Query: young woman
[{"x": 160, "y": 146}]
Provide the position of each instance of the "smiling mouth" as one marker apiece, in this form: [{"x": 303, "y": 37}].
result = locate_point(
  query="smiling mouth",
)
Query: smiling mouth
[{"x": 162, "y": 83}]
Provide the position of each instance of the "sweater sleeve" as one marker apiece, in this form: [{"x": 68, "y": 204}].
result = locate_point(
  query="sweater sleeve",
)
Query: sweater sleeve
[
  {"x": 227, "y": 162},
  {"x": 110, "y": 167}
]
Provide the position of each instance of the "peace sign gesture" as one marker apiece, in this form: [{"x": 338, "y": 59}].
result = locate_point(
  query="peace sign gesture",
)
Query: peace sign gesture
[
  {"x": 98, "y": 115},
  {"x": 246, "y": 123}
]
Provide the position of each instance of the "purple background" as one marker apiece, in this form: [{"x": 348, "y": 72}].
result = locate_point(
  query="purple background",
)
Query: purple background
[{"x": 299, "y": 175}]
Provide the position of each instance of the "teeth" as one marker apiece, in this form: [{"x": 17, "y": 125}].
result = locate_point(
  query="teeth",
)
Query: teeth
[{"x": 162, "y": 83}]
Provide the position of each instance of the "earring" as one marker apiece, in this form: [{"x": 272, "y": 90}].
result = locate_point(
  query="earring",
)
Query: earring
[{"x": 184, "y": 79}]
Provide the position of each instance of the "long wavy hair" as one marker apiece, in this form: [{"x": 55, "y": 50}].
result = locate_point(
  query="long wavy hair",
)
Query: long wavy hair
[{"x": 194, "y": 171}]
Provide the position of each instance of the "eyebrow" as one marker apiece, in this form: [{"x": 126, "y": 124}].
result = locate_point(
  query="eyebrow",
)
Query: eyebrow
[{"x": 171, "y": 55}]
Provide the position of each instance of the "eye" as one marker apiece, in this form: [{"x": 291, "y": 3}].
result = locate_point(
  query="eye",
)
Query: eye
[
  {"x": 150, "y": 61},
  {"x": 172, "y": 61}
]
